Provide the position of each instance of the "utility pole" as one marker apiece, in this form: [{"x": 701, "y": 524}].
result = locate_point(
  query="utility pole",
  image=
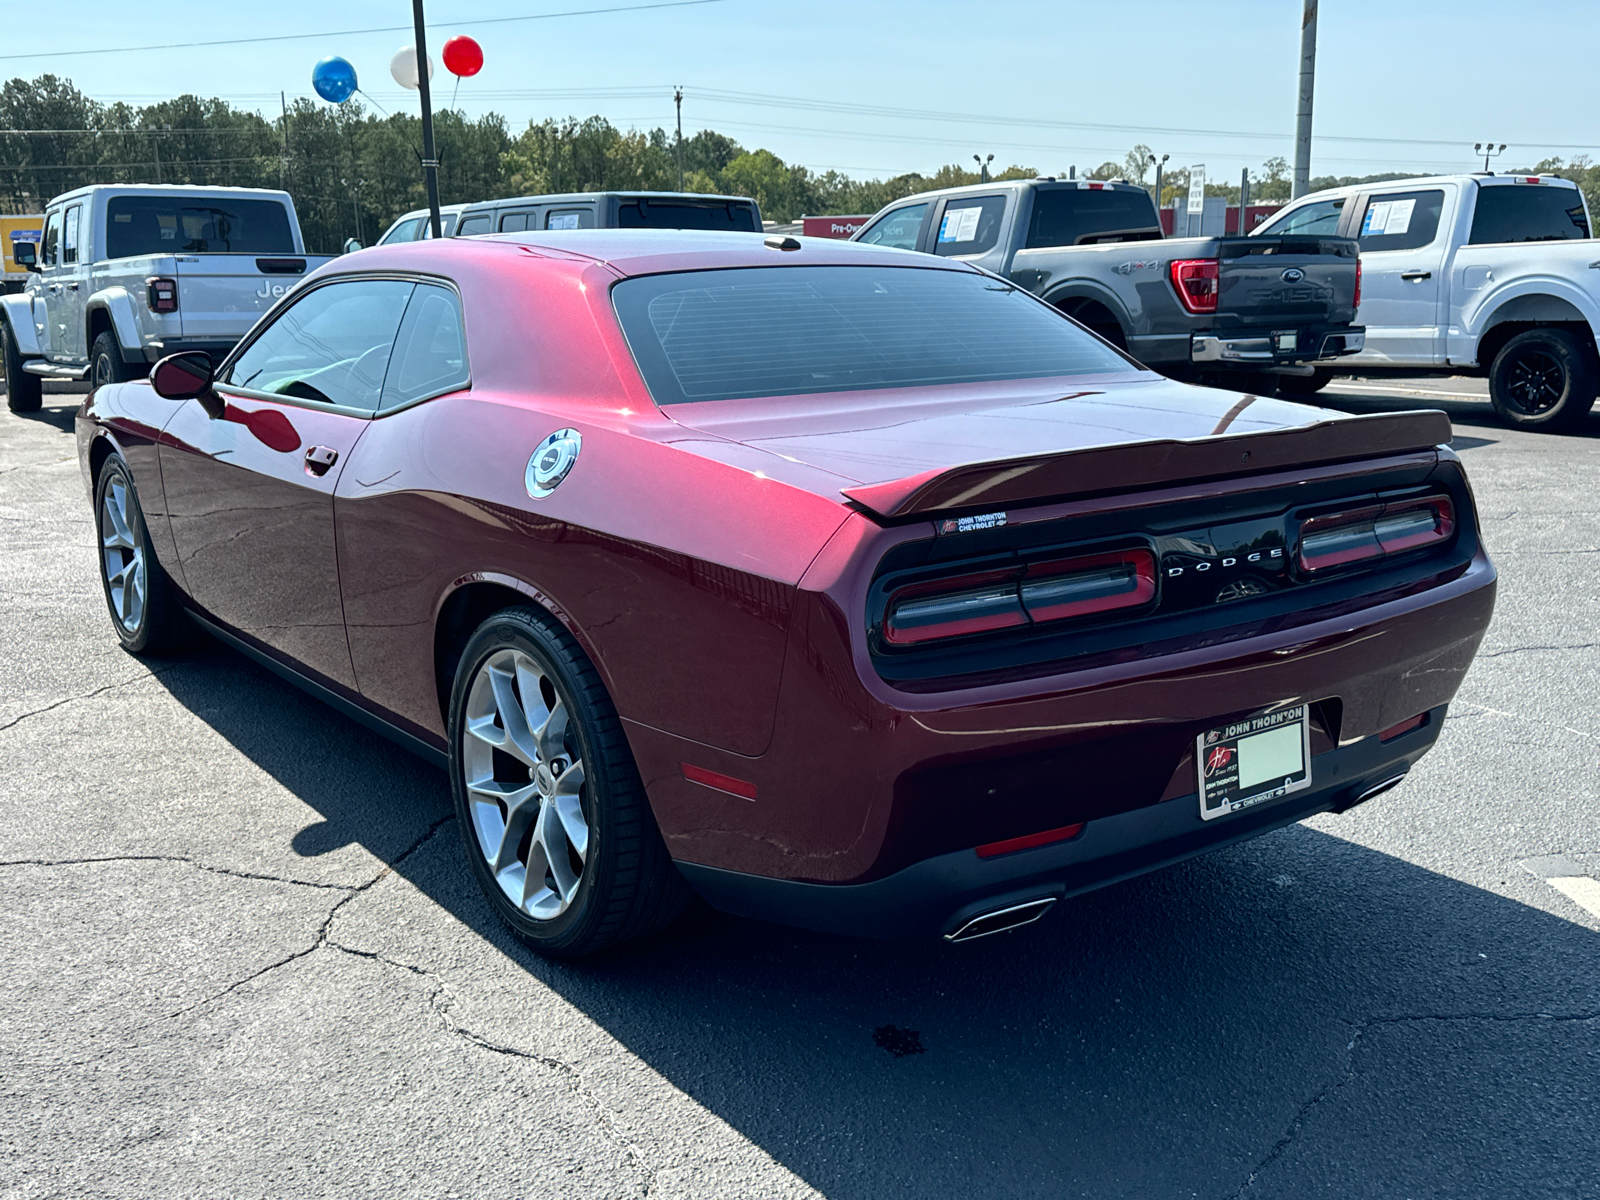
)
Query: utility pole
[
  {"x": 1308, "y": 78},
  {"x": 155, "y": 146},
  {"x": 1159, "y": 167},
  {"x": 677, "y": 99},
  {"x": 1244, "y": 199},
  {"x": 430, "y": 160}
]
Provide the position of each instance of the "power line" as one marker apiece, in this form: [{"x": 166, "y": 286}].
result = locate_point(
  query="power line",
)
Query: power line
[{"x": 297, "y": 37}]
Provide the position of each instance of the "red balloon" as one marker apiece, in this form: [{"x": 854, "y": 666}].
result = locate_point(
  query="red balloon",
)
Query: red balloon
[{"x": 463, "y": 56}]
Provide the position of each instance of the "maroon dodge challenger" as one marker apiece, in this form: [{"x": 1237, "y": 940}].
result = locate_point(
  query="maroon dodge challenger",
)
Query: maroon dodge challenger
[{"x": 843, "y": 586}]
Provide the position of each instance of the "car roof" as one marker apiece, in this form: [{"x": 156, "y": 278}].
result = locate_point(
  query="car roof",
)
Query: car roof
[
  {"x": 1479, "y": 177},
  {"x": 168, "y": 189},
  {"x": 1041, "y": 182},
  {"x": 631, "y": 252},
  {"x": 584, "y": 197}
]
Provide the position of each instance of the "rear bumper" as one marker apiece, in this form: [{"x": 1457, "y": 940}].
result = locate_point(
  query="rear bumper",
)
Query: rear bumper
[
  {"x": 1277, "y": 348},
  {"x": 942, "y": 894},
  {"x": 216, "y": 348}
]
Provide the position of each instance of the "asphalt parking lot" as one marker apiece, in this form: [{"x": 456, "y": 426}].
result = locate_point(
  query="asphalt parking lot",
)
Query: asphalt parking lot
[{"x": 242, "y": 955}]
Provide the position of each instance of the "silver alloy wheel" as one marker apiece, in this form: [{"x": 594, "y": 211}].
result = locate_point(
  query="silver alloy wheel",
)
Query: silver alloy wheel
[
  {"x": 102, "y": 370},
  {"x": 122, "y": 556},
  {"x": 524, "y": 784}
]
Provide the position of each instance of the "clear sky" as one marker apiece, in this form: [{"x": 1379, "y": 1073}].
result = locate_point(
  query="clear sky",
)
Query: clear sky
[{"x": 1401, "y": 85}]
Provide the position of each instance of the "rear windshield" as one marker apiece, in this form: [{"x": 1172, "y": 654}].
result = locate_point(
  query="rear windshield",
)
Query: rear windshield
[
  {"x": 1520, "y": 213},
  {"x": 789, "y": 331},
  {"x": 138, "y": 225},
  {"x": 644, "y": 213},
  {"x": 1073, "y": 216}
]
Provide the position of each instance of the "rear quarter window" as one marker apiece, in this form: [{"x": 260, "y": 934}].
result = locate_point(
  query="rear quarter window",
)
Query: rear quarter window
[
  {"x": 144, "y": 225},
  {"x": 644, "y": 213},
  {"x": 475, "y": 224},
  {"x": 1528, "y": 213},
  {"x": 1400, "y": 220}
]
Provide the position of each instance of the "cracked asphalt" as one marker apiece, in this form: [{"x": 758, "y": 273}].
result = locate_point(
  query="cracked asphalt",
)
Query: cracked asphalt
[{"x": 241, "y": 955}]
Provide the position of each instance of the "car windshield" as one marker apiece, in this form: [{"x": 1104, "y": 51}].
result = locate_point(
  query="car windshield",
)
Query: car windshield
[
  {"x": 786, "y": 331},
  {"x": 140, "y": 225}
]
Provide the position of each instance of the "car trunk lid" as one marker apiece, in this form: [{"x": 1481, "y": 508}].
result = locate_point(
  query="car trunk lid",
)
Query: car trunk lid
[{"x": 915, "y": 451}]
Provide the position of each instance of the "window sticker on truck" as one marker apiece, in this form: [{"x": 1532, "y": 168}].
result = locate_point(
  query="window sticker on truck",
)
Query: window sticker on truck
[
  {"x": 1388, "y": 217},
  {"x": 960, "y": 224}
]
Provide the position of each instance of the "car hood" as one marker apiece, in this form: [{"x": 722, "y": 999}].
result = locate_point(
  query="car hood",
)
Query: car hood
[{"x": 902, "y": 451}]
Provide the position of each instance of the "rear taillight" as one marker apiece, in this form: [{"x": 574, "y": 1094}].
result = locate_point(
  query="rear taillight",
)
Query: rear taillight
[
  {"x": 1369, "y": 533},
  {"x": 1042, "y": 592},
  {"x": 1195, "y": 280},
  {"x": 1356, "y": 303},
  {"x": 161, "y": 295}
]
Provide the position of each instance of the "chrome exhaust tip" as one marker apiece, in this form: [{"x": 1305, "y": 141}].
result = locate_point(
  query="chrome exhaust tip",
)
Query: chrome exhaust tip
[
  {"x": 1376, "y": 789},
  {"x": 1001, "y": 919}
]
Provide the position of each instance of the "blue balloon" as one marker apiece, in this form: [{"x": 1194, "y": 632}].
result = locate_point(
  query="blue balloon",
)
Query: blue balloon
[{"x": 334, "y": 78}]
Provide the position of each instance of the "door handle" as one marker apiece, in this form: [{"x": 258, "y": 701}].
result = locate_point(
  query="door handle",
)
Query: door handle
[
  {"x": 55, "y": 289},
  {"x": 319, "y": 459},
  {"x": 1416, "y": 275},
  {"x": 72, "y": 287}
]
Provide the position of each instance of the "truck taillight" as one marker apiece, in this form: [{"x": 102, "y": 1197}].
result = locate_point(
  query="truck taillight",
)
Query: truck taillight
[
  {"x": 161, "y": 294},
  {"x": 1375, "y": 532},
  {"x": 1195, "y": 280},
  {"x": 1008, "y": 599},
  {"x": 1357, "y": 303}
]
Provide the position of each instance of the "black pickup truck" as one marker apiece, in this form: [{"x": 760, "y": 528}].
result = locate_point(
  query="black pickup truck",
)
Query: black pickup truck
[{"x": 1201, "y": 308}]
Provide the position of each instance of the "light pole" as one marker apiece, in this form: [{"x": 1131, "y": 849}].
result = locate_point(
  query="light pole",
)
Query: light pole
[
  {"x": 1160, "y": 164},
  {"x": 430, "y": 160},
  {"x": 983, "y": 167},
  {"x": 1487, "y": 149}
]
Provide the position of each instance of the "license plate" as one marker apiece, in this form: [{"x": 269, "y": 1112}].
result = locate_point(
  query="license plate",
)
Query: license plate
[
  {"x": 1252, "y": 761},
  {"x": 1286, "y": 341}
]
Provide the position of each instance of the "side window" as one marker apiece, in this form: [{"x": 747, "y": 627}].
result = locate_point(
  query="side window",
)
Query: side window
[
  {"x": 569, "y": 218},
  {"x": 475, "y": 224},
  {"x": 1400, "y": 220},
  {"x": 970, "y": 226},
  {"x": 1318, "y": 219},
  {"x": 430, "y": 354},
  {"x": 51, "y": 248},
  {"x": 407, "y": 231},
  {"x": 1522, "y": 213},
  {"x": 898, "y": 228},
  {"x": 332, "y": 345},
  {"x": 69, "y": 235},
  {"x": 515, "y": 222}
]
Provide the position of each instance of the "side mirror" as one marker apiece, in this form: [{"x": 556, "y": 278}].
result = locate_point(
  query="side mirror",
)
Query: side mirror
[
  {"x": 185, "y": 376},
  {"x": 25, "y": 255},
  {"x": 351, "y": 245}
]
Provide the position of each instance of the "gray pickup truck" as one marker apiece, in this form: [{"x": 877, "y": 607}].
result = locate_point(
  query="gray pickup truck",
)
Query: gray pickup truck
[
  {"x": 123, "y": 274},
  {"x": 1196, "y": 308}
]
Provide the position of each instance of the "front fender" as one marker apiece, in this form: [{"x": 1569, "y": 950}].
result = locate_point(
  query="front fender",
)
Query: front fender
[
  {"x": 19, "y": 315},
  {"x": 118, "y": 304}
]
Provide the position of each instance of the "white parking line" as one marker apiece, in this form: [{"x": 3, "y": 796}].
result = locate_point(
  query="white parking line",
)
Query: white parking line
[
  {"x": 1581, "y": 890},
  {"x": 1568, "y": 878}
]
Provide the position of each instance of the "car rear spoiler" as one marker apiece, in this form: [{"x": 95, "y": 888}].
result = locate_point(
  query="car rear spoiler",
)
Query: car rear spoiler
[{"x": 1129, "y": 465}]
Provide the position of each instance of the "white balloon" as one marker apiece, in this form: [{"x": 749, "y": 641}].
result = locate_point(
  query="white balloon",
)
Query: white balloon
[{"x": 403, "y": 66}]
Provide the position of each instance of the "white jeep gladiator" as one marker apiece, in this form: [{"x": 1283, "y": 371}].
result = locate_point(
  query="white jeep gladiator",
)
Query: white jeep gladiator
[
  {"x": 1482, "y": 274},
  {"x": 123, "y": 275}
]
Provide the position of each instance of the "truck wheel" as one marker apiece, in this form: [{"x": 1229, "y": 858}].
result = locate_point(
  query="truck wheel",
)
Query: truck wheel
[
  {"x": 106, "y": 357},
  {"x": 1304, "y": 385},
  {"x": 1544, "y": 379},
  {"x": 24, "y": 392}
]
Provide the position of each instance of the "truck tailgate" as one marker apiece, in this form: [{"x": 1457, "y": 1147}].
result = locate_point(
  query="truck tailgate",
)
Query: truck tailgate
[
  {"x": 221, "y": 295},
  {"x": 1280, "y": 282}
]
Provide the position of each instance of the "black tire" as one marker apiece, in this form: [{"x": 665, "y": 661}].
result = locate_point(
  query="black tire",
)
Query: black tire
[
  {"x": 24, "y": 392},
  {"x": 105, "y": 362},
  {"x": 626, "y": 885},
  {"x": 1304, "y": 385},
  {"x": 156, "y": 623},
  {"x": 1544, "y": 379}
]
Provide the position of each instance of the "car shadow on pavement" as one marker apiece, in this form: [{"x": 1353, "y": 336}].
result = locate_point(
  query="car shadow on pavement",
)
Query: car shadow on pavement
[{"x": 1295, "y": 1015}]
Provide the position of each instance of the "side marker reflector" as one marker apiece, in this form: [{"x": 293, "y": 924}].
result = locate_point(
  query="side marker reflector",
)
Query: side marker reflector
[
  {"x": 1029, "y": 841},
  {"x": 744, "y": 789},
  {"x": 1394, "y": 731}
]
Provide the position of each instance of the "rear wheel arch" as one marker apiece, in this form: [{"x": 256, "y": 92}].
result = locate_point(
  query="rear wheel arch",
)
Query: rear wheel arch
[
  {"x": 1097, "y": 315},
  {"x": 98, "y": 321},
  {"x": 1522, "y": 313},
  {"x": 468, "y": 604}
]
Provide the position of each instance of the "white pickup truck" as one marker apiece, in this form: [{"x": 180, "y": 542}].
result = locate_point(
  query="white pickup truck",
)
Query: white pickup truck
[
  {"x": 1471, "y": 274},
  {"x": 122, "y": 275}
]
